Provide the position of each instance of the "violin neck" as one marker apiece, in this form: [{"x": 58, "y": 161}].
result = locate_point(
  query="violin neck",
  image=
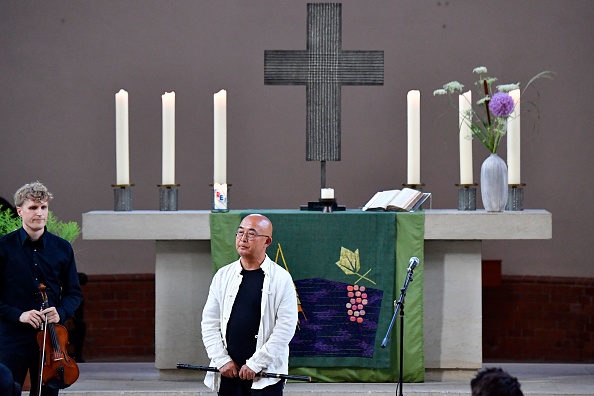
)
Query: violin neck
[{"x": 53, "y": 337}]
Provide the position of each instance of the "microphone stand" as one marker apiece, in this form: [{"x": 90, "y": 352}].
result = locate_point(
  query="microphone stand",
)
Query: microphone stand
[{"x": 399, "y": 307}]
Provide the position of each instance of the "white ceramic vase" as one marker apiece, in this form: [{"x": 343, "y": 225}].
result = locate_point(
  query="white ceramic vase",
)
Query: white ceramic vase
[{"x": 494, "y": 184}]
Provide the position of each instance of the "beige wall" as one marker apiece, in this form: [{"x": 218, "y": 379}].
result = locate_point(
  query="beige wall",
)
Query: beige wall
[{"x": 61, "y": 62}]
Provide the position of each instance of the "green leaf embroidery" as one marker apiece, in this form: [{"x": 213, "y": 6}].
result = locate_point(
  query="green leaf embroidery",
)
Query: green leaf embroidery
[{"x": 350, "y": 264}]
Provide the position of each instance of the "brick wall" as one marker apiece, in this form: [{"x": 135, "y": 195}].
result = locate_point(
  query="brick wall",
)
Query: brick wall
[
  {"x": 525, "y": 318},
  {"x": 539, "y": 319},
  {"x": 119, "y": 312}
]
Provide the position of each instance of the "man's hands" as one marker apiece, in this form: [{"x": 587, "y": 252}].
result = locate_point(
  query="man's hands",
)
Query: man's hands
[
  {"x": 229, "y": 370},
  {"x": 232, "y": 370},
  {"x": 246, "y": 373},
  {"x": 36, "y": 318}
]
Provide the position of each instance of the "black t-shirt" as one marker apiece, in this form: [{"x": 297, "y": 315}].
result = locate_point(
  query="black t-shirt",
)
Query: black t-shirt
[{"x": 243, "y": 325}]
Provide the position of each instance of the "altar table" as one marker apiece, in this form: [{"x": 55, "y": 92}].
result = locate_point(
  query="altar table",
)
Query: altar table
[{"x": 452, "y": 278}]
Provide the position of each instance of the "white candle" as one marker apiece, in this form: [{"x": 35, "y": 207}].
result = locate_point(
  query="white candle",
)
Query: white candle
[
  {"x": 168, "y": 174},
  {"x": 122, "y": 150},
  {"x": 513, "y": 141},
  {"x": 327, "y": 193},
  {"x": 414, "y": 137},
  {"x": 464, "y": 119},
  {"x": 220, "y": 137}
]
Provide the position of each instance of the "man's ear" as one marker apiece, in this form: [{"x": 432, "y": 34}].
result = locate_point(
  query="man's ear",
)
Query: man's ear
[{"x": 268, "y": 241}]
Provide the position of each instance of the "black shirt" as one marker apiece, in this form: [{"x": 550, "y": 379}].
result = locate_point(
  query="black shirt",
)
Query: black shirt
[
  {"x": 23, "y": 265},
  {"x": 244, "y": 322}
]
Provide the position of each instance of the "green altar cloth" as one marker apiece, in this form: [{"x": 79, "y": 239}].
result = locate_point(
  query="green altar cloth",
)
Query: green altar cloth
[{"x": 348, "y": 268}]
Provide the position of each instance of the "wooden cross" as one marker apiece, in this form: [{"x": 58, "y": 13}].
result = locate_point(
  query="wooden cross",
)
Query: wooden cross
[{"x": 323, "y": 68}]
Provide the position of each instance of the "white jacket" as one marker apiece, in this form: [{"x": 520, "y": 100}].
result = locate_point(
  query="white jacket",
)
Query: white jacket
[{"x": 277, "y": 322}]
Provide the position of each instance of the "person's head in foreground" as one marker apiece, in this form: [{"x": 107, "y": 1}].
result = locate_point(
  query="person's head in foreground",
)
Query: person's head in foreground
[{"x": 495, "y": 382}]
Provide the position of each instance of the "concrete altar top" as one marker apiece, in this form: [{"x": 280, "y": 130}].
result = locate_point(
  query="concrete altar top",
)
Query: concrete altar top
[{"x": 440, "y": 224}]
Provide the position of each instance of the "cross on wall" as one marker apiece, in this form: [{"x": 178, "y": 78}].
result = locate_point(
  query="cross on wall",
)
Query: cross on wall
[{"x": 323, "y": 68}]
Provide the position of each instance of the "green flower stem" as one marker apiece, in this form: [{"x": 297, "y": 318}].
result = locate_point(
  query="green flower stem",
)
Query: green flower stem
[{"x": 482, "y": 134}]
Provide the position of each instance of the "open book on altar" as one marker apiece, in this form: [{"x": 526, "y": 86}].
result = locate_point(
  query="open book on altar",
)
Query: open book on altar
[{"x": 405, "y": 200}]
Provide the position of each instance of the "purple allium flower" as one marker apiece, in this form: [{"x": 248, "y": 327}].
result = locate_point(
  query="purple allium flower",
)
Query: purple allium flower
[{"x": 501, "y": 104}]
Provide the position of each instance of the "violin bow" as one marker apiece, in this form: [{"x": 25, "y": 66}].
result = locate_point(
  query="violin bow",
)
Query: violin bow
[{"x": 43, "y": 295}]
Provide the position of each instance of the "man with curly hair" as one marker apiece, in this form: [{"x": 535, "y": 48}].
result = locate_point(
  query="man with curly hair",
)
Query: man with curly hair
[{"x": 30, "y": 256}]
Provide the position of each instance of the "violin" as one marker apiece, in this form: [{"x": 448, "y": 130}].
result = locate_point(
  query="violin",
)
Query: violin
[{"x": 57, "y": 370}]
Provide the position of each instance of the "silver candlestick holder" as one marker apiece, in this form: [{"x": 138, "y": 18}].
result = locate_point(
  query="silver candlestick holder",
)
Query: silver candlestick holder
[
  {"x": 168, "y": 197},
  {"x": 220, "y": 197},
  {"x": 467, "y": 196},
  {"x": 515, "y": 197},
  {"x": 122, "y": 197}
]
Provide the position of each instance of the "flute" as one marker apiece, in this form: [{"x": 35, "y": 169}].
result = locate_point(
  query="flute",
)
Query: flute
[{"x": 262, "y": 374}]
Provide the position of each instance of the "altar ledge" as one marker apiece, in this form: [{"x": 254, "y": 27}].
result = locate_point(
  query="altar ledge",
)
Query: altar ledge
[{"x": 445, "y": 224}]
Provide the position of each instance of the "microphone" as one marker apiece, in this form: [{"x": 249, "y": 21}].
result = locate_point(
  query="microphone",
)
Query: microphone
[{"x": 412, "y": 264}]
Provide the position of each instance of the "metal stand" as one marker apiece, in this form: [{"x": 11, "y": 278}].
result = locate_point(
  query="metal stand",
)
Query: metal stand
[
  {"x": 466, "y": 196},
  {"x": 329, "y": 204},
  {"x": 320, "y": 206},
  {"x": 515, "y": 197},
  {"x": 399, "y": 308},
  {"x": 220, "y": 197},
  {"x": 122, "y": 197},
  {"x": 168, "y": 197},
  {"x": 325, "y": 205}
]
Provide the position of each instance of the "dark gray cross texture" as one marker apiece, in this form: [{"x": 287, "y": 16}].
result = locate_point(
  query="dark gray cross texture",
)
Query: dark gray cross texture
[{"x": 323, "y": 68}]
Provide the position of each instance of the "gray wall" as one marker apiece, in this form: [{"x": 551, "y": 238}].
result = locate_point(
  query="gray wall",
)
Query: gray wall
[{"x": 61, "y": 63}]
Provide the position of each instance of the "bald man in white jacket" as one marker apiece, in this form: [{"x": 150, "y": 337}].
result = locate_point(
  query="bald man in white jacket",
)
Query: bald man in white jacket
[{"x": 230, "y": 320}]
